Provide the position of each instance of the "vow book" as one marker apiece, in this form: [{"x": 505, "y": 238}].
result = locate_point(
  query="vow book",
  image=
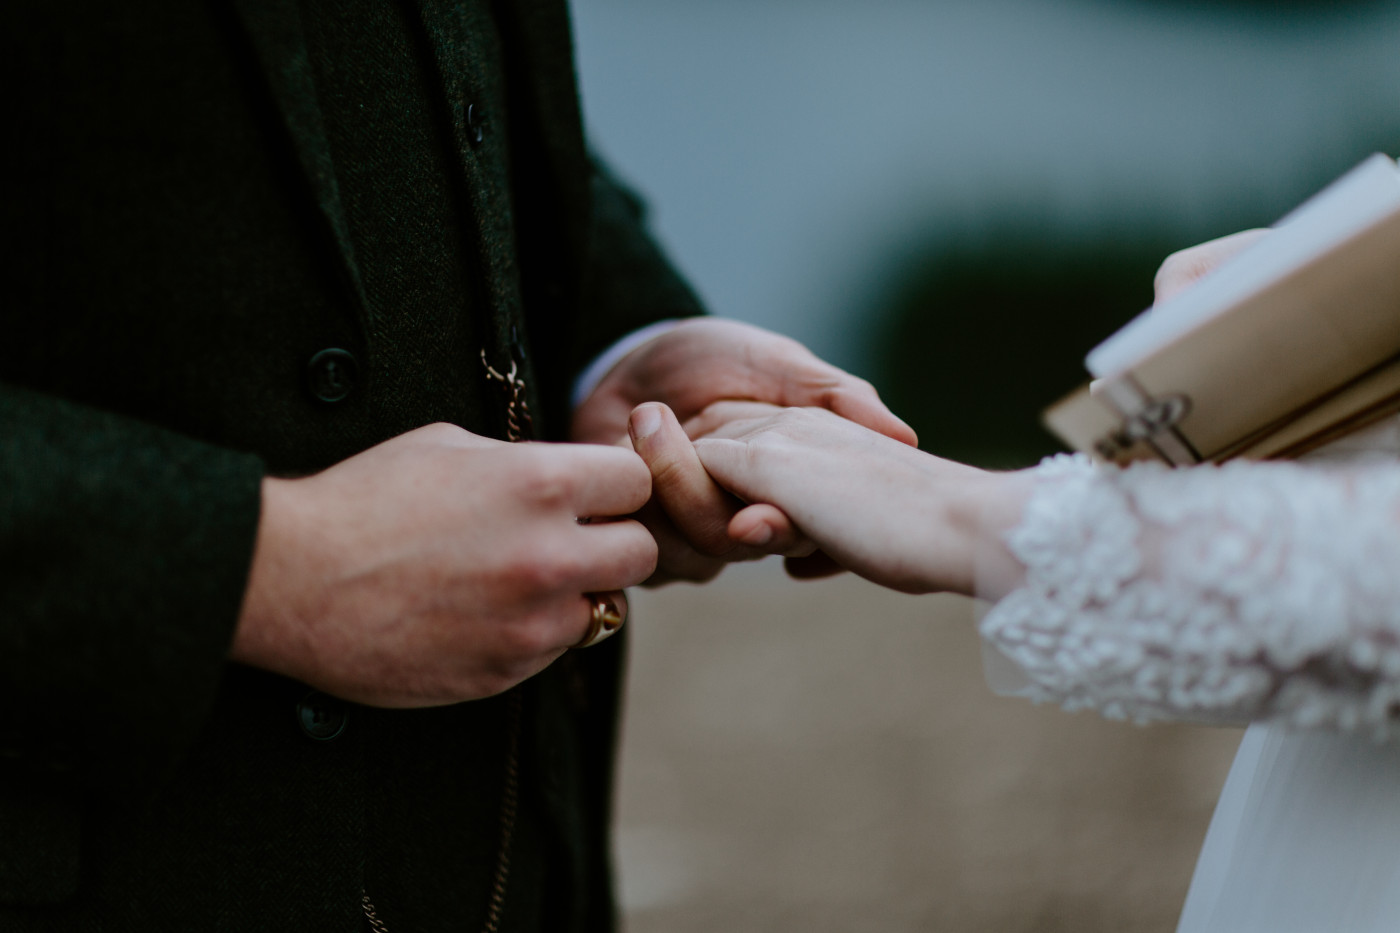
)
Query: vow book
[{"x": 1288, "y": 345}]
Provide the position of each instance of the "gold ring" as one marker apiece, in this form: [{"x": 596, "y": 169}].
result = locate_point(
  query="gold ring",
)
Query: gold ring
[{"x": 604, "y": 618}]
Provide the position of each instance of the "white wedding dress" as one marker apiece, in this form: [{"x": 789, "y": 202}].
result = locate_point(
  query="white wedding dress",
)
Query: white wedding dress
[{"x": 1261, "y": 592}]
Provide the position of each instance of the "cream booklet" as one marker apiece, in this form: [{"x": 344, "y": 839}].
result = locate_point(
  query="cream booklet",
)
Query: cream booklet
[{"x": 1291, "y": 343}]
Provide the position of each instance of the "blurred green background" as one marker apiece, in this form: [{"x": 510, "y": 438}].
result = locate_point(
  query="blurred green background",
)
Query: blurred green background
[
  {"x": 975, "y": 334},
  {"x": 978, "y": 335}
]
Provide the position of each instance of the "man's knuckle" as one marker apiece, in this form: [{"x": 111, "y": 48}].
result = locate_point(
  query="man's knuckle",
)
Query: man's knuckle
[
  {"x": 546, "y": 573},
  {"x": 530, "y": 568},
  {"x": 547, "y": 482},
  {"x": 440, "y": 432}
]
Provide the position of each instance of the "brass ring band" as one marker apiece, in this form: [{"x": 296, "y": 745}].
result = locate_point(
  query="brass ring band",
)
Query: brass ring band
[{"x": 604, "y": 619}]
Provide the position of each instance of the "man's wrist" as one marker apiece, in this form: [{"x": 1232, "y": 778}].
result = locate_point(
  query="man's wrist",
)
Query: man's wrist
[{"x": 259, "y": 637}]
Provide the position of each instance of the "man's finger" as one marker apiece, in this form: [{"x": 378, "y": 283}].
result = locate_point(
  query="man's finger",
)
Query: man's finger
[
  {"x": 865, "y": 408},
  {"x": 802, "y": 380},
  {"x": 728, "y": 418},
  {"x": 602, "y": 480},
  {"x": 442, "y": 434},
  {"x": 679, "y": 560},
  {"x": 699, "y": 509},
  {"x": 853, "y": 399},
  {"x": 621, "y": 554}
]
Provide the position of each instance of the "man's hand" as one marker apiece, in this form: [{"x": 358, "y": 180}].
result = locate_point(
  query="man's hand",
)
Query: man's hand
[
  {"x": 689, "y": 515},
  {"x": 439, "y": 566},
  {"x": 688, "y": 368}
]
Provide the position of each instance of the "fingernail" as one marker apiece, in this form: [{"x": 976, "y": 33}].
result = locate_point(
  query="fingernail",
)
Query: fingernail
[
  {"x": 645, "y": 422},
  {"x": 759, "y": 537}
]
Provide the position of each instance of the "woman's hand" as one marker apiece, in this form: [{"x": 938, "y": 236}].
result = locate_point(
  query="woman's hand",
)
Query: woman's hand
[
  {"x": 880, "y": 508},
  {"x": 1187, "y": 266},
  {"x": 688, "y": 367}
]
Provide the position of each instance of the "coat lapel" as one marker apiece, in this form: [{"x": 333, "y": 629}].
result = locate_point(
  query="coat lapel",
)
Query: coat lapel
[
  {"x": 553, "y": 206},
  {"x": 273, "y": 28},
  {"x": 544, "y": 95}
]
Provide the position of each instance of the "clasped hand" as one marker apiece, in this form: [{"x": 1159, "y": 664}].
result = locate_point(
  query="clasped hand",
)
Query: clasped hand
[
  {"x": 442, "y": 566},
  {"x": 689, "y": 369},
  {"x": 882, "y": 509}
]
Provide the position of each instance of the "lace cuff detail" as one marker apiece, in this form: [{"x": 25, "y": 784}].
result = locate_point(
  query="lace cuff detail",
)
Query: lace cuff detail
[{"x": 1215, "y": 594}]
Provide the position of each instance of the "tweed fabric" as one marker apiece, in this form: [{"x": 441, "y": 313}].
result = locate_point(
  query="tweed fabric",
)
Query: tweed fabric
[{"x": 204, "y": 196}]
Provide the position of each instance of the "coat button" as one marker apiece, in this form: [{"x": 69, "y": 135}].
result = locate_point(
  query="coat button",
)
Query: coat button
[
  {"x": 476, "y": 124},
  {"x": 321, "y": 717},
  {"x": 330, "y": 374}
]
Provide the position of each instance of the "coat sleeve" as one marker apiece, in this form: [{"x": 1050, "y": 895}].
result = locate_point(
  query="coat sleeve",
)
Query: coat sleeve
[
  {"x": 126, "y": 550},
  {"x": 630, "y": 282}
]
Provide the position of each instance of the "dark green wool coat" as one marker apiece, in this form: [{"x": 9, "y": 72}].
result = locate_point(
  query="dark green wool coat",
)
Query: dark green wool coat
[{"x": 202, "y": 196}]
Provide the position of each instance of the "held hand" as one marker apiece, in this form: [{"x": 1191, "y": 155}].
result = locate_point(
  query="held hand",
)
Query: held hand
[
  {"x": 689, "y": 515},
  {"x": 886, "y": 511},
  {"x": 688, "y": 368},
  {"x": 1187, "y": 266},
  {"x": 705, "y": 360},
  {"x": 439, "y": 566}
]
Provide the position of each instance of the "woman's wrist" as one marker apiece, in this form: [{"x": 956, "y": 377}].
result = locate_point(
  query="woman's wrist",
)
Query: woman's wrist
[{"x": 981, "y": 509}]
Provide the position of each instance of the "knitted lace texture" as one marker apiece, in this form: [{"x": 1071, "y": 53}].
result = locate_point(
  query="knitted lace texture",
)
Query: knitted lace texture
[{"x": 1216, "y": 594}]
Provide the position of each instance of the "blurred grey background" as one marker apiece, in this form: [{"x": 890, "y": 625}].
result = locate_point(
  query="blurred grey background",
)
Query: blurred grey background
[{"x": 956, "y": 199}]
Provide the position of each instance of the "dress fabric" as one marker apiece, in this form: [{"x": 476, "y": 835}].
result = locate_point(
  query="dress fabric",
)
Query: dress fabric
[{"x": 1261, "y": 592}]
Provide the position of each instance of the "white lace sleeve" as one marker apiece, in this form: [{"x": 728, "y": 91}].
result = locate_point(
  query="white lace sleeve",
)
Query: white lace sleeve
[{"x": 1248, "y": 591}]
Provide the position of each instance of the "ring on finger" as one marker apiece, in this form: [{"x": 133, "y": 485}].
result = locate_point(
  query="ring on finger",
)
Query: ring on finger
[{"x": 606, "y": 614}]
